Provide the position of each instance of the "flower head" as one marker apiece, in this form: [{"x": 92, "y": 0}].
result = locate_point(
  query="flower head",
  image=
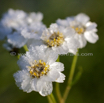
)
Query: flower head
[
  {"x": 14, "y": 18},
  {"x": 85, "y": 30},
  {"x": 38, "y": 71},
  {"x": 19, "y": 27},
  {"x": 59, "y": 39}
]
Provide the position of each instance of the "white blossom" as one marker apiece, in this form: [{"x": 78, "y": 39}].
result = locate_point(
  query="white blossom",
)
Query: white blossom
[
  {"x": 34, "y": 17},
  {"x": 85, "y": 30},
  {"x": 58, "y": 39},
  {"x": 38, "y": 71},
  {"x": 14, "y": 19}
]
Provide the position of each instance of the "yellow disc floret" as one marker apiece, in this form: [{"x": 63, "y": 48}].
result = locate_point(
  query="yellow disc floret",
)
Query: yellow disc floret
[
  {"x": 56, "y": 39},
  {"x": 38, "y": 68},
  {"x": 79, "y": 30}
]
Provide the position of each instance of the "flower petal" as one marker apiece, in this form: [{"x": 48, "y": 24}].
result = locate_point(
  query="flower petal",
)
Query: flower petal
[
  {"x": 90, "y": 26},
  {"x": 73, "y": 45},
  {"x": 53, "y": 74},
  {"x": 61, "y": 22},
  {"x": 46, "y": 89},
  {"x": 16, "y": 40},
  {"x": 91, "y": 37},
  {"x": 81, "y": 39},
  {"x": 61, "y": 78},
  {"x": 23, "y": 80},
  {"x": 57, "y": 66},
  {"x": 82, "y": 18}
]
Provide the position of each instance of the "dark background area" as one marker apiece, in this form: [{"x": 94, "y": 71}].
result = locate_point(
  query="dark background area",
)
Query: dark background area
[{"x": 90, "y": 87}]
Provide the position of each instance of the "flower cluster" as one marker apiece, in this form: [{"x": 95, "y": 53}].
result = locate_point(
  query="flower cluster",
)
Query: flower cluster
[
  {"x": 38, "y": 67},
  {"x": 19, "y": 28}
]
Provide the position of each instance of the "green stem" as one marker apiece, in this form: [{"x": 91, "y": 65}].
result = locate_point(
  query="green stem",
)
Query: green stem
[
  {"x": 71, "y": 74},
  {"x": 51, "y": 96},
  {"x": 58, "y": 87},
  {"x": 49, "y": 99},
  {"x": 25, "y": 47},
  {"x": 58, "y": 92},
  {"x": 18, "y": 56}
]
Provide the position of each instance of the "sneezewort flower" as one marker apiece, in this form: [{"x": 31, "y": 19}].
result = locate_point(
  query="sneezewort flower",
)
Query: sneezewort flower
[
  {"x": 19, "y": 27},
  {"x": 85, "y": 30},
  {"x": 38, "y": 71},
  {"x": 59, "y": 39},
  {"x": 17, "y": 18},
  {"x": 14, "y": 18}
]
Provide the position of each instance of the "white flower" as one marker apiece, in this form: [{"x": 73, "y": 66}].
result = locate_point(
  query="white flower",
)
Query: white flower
[
  {"x": 34, "y": 31},
  {"x": 38, "y": 71},
  {"x": 14, "y": 18},
  {"x": 85, "y": 30},
  {"x": 4, "y": 32},
  {"x": 34, "y": 17},
  {"x": 16, "y": 40},
  {"x": 59, "y": 39}
]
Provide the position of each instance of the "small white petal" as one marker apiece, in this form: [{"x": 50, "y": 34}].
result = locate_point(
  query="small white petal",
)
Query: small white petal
[
  {"x": 90, "y": 26},
  {"x": 91, "y": 37},
  {"x": 57, "y": 65},
  {"x": 34, "y": 17},
  {"x": 34, "y": 84},
  {"x": 53, "y": 74},
  {"x": 16, "y": 40},
  {"x": 68, "y": 32},
  {"x": 73, "y": 45},
  {"x": 46, "y": 89},
  {"x": 23, "y": 80},
  {"x": 81, "y": 39},
  {"x": 61, "y": 22},
  {"x": 82, "y": 18},
  {"x": 26, "y": 85},
  {"x": 61, "y": 78}
]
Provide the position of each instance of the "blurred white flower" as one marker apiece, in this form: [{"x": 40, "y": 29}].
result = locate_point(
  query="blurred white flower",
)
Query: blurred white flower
[
  {"x": 33, "y": 31},
  {"x": 85, "y": 30},
  {"x": 38, "y": 71},
  {"x": 34, "y": 17},
  {"x": 14, "y": 18},
  {"x": 19, "y": 27},
  {"x": 59, "y": 39}
]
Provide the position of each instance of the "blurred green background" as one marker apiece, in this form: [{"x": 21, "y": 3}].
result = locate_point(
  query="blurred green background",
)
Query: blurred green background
[{"x": 90, "y": 87}]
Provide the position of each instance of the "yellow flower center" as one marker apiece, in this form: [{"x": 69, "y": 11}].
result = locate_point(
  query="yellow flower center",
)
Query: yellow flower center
[
  {"x": 79, "y": 30},
  {"x": 38, "y": 69},
  {"x": 56, "y": 39}
]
